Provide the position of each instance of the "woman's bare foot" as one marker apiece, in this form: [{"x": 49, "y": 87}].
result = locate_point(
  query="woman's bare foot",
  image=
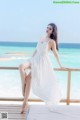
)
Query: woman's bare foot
[{"x": 24, "y": 107}]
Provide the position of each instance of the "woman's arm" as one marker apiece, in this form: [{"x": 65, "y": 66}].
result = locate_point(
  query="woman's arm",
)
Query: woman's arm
[{"x": 53, "y": 46}]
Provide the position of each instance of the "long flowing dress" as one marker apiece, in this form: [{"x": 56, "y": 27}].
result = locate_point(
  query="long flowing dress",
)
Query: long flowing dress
[{"x": 44, "y": 82}]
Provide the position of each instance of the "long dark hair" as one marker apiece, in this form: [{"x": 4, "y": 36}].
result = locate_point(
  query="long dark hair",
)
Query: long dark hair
[{"x": 54, "y": 35}]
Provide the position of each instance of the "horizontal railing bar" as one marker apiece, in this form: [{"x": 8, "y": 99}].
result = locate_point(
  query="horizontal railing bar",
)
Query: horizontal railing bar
[
  {"x": 21, "y": 99},
  {"x": 67, "y": 69},
  {"x": 58, "y": 69},
  {"x": 11, "y": 68},
  {"x": 37, "y": 100}
]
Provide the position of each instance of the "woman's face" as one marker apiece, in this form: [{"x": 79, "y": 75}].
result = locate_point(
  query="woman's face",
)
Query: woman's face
[{"x": 49, "y": 30}]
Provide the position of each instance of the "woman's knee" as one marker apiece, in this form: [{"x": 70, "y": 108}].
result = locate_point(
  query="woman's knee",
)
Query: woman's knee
[
  {"x": 25, "y": 65},
  {"x": 21, "y": 66}
]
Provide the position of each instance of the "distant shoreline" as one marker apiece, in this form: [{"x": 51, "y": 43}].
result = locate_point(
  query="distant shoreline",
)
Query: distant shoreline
[{"x": 33, "y": 44}]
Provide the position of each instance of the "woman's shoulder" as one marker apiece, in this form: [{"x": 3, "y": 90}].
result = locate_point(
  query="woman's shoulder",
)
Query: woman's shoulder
[{"x": 52, "y": 41}]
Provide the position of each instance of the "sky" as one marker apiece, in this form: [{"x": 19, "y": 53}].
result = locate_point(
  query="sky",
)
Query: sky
[{"x": 26, "y": 21}]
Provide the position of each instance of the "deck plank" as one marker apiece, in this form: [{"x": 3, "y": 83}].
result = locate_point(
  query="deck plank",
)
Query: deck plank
[{"x": 13, "y": 111}]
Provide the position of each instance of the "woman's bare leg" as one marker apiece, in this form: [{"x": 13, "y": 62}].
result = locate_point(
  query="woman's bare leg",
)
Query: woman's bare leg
[
  {"x": 22, "y": 68},
  {"x": 27, "y": 88},
  {"x": 26, "y": 79},
  {"x": 27, "y": 91}
]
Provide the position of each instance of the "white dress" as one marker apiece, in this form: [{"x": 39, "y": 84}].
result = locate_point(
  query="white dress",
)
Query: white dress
[{"x": 44, "y": 82}]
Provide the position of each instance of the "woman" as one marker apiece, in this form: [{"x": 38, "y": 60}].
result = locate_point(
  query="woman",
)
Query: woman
[{"x": 42, "y": 77}]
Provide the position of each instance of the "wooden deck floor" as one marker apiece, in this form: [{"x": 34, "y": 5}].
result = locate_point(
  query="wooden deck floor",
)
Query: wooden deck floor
[{"x": 13, "y": 111}]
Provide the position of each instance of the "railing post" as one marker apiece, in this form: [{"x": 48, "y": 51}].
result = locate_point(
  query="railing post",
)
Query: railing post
[{"x": 68, "y": 87}]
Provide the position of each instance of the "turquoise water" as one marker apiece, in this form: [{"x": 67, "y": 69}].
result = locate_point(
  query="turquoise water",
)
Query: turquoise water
[{"x": 10, "y": 82}]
